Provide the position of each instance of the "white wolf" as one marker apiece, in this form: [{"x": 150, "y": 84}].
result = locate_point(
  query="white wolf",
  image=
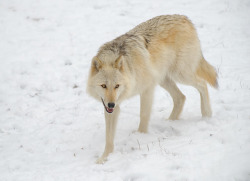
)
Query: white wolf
[{"x": 162, "y": 50}]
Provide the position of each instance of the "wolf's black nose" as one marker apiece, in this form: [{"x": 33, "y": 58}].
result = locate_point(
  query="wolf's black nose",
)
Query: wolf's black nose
[{"x": 111, "y": 105}]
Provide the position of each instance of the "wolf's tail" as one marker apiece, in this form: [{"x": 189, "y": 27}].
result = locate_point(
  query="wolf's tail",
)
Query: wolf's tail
[{"x": 208, "y": 73}]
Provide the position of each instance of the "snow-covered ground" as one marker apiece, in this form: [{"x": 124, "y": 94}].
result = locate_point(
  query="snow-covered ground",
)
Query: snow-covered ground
[{"x": 51, "y": 130}]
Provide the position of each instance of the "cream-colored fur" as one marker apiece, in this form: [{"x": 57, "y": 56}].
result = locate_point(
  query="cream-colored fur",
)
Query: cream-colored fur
[{"x": 163, "y": 50}]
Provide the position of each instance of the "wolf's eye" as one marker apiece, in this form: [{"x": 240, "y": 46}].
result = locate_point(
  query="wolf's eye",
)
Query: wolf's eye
[
  {"x": 117, "y": 86},
  {"x": 104, "y": 86}
]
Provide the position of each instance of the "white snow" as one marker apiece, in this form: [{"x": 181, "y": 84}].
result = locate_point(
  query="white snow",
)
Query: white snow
[{"x": 51, "y": 130}]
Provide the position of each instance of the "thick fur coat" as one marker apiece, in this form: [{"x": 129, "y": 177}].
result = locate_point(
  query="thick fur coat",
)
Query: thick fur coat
[{"x": 164, "y": 50}]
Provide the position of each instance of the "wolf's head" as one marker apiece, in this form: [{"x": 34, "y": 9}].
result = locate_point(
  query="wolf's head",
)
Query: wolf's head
[{"x": 107, "y": 82}]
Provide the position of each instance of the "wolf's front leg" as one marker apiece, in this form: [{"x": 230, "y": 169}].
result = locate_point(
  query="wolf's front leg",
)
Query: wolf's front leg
[
  {"x": 111, "y": 122},
  {"x": 146, "y": 105}
]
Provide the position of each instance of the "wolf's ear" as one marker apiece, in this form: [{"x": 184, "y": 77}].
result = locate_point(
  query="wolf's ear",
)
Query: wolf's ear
[
  {"x": 119, "y": 63},
  {"x": 96, "y": 64}
]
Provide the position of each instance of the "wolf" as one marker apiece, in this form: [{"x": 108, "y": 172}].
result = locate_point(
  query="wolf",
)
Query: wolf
[{"x": 164, "y": 50}]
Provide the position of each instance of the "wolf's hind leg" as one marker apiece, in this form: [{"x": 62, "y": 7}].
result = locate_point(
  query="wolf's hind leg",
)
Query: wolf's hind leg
[
  {"x": 111, "y": 122},
  {"x": 146, "y": 105},
  {"x": 201, "y": 86},
  {"x": 177, "y": 96}
]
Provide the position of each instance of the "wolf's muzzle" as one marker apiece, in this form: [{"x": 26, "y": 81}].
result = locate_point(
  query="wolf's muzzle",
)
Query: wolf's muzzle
[{"x": 110, "y": 107}]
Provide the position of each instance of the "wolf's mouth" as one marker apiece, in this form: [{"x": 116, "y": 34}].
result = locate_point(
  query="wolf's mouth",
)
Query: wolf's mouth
[{"x": 109, "y": 110}]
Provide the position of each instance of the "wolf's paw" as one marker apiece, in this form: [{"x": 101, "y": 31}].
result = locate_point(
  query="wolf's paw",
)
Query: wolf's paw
[
  {"x": 145, "y": 131},
  {"x": 207, "y": 114},
  {"x": 172, "y": 118},
  {"x": 101, "y": 160},
  {"x": 139, "y": 131}
]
